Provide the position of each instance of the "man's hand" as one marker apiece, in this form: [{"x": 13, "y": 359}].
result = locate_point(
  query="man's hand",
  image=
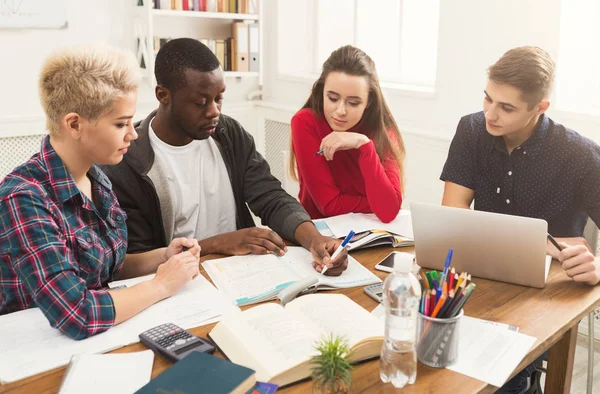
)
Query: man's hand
[
  {"x": 252, "y": 240},
  {"x": 580, "y": 264},
  {"x": 564, "y": 242},
  {"x": 322, "y": 248}
]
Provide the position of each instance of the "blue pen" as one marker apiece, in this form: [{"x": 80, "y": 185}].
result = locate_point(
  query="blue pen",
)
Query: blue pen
[
  {"x": 340, "y": 248},
  {"x": 447, "y": 265},
  {"x": 320, "y": 152}
]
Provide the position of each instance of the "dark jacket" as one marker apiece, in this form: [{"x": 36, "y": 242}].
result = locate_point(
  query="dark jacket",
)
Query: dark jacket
[{"x": 249, "y": 174}]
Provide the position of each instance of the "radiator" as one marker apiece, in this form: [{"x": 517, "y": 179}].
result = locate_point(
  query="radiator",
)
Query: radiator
[
  {"x": 277, "y": 141},
  {"x": 17, "y": 150}
]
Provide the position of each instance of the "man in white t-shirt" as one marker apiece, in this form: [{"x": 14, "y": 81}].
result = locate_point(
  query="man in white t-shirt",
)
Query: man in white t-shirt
[{"x": 193, "y": 172}]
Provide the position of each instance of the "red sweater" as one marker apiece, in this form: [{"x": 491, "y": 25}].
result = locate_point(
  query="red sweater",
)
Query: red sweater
[{"x": 354, "y": 181}]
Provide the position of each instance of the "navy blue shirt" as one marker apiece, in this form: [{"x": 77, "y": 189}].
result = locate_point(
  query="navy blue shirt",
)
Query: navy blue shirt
[{"x": 554, "y": 175}]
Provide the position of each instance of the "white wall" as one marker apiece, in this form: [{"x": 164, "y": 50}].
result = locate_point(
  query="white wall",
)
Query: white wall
[
  {"x": 23, "y": 52},
  {"x": 473, "y": 34}
]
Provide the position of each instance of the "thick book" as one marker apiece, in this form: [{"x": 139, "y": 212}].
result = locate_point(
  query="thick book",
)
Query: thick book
[
  {"x": 278, "y": 342},
  {"x": 251, "y": 279},
  {"x": 202, "y": 373}
]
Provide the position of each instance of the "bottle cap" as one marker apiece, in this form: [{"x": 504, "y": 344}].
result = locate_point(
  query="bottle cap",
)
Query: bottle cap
[{"x": 403, "y": 263}]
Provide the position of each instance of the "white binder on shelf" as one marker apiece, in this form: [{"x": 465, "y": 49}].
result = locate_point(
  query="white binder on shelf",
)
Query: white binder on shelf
[
  {"x": 253, "y": 43},
  {"x": 240, "y": 38}
]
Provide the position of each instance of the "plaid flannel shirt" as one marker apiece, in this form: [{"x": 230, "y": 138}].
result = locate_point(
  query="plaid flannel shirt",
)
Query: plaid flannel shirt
[{"x": 57, "y": 248}]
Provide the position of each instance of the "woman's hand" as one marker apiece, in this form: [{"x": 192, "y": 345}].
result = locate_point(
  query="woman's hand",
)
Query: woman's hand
[
  {"x": 179, "y": 245},
  {"x": 342, "y": 140},
  {"x": 176, "y": 272}
]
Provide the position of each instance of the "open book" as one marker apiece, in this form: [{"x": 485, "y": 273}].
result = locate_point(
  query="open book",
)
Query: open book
[
  {"x": 251, "y": 279},
  {"x": 369, "y": 230},
  {"x": 278, "y": 342}
]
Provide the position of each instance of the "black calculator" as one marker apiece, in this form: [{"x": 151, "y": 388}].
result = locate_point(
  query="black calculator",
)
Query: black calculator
[{"x": 173, "y": 342}]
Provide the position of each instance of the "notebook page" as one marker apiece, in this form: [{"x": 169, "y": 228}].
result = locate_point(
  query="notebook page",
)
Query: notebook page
[
  {"x": 122, "y": 373},
  {"x": 248, "y": 279},
  {"x": 338, "y": 314},
  {"x": 341, "y": 225},
  {"x": 355, "y": 275}
]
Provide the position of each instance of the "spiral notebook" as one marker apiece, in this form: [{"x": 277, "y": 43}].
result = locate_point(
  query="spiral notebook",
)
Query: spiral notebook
[{"x": 122, "y": 373}]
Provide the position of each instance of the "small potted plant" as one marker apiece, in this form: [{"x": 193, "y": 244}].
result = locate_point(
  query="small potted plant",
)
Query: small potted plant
[{"x": 331, "y": 369}]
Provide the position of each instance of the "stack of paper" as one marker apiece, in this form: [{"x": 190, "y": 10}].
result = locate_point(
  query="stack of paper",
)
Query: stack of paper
[
  {"x": 341, "y": 225},
  {"x": 488, "y": 351},
  {"x": 28, "y": 345},
  {"x": 122, "y": 373}
]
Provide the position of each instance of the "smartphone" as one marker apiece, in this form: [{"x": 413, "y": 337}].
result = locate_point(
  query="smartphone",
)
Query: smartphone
[
  {"x": 173, "y": 342},
  {"x": 387, "y": 264},
  {"x": 375, "y": 291}
]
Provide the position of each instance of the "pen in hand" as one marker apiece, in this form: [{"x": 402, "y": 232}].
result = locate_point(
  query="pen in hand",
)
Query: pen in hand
[
  {"x": 553, "y": 241},
  {"x": 339, "y": 249},
  {"x": 320, "y": 152}
]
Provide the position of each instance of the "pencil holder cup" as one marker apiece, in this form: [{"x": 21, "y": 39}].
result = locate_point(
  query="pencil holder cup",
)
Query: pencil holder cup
[{"x": 437, "y": 340}]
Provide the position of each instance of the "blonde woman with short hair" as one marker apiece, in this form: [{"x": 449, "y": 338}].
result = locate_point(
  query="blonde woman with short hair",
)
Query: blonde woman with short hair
[{"x": 62, "y": 233}]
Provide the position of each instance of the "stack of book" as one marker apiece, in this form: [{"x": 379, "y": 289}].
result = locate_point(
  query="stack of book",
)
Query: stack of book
[{"x": 231, "y": 6}]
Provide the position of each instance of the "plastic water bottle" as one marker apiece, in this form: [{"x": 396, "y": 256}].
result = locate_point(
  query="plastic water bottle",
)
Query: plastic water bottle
[{"x": 401, "y": 296}]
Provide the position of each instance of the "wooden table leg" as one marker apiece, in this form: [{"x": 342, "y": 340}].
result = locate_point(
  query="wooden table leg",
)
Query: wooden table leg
[{"x": 560, "y": 364}]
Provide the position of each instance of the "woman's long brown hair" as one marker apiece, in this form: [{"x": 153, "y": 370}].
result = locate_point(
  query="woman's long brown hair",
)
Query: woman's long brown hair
[{"x": 377, "y": 120}]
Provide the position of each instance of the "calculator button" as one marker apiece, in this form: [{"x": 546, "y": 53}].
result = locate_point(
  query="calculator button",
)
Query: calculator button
[
  {"x": 189, "y": 339},
  {"x": 179, "y": 342}
]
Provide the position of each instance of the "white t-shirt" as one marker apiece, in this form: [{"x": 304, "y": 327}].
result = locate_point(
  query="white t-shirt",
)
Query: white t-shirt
[{"x": 198, "y": 185}]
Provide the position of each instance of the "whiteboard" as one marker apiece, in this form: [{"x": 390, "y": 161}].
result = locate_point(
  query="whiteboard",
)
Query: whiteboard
[{"x": 37, "y": 14}]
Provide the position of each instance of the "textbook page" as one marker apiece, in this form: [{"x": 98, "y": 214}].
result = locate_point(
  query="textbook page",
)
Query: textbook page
[
  {"x": 489, "y": 352},
  {"x": 251, "y": 279},
  {"x": 341, "y": 225},
  {"x": 28, "y": 345},
  {"x": 122, "y": 373}
]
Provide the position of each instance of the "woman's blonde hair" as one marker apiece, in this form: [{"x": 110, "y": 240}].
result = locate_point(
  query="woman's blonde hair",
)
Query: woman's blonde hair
[
  {"x": 377, "y": 120},
  {"x": 85, "y": 80}
]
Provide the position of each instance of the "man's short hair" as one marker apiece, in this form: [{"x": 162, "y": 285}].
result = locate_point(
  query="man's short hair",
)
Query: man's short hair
[
  {"x": 179, "y": 55},
  {"x": 529, "y": 69},
  {"x": 85, "y": 80}
]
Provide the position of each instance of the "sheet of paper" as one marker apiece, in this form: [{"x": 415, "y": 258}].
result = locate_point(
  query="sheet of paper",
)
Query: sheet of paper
[
  {"x": 323, "y": 228},
  {"x": 28, "y": 345},
  {"x": 122, "y": 373},
  {"x": 341, "y": 225},
  {"x": 251, "y": 279},
  {"x": 489, "y": 352}
]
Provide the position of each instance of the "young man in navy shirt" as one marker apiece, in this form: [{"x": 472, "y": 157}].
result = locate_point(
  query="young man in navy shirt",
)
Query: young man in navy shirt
[{"x": 513, "y": 159}]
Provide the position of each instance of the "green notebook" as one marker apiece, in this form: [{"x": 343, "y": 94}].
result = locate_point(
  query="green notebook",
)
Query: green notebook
[{"x": 202, "y": 373}]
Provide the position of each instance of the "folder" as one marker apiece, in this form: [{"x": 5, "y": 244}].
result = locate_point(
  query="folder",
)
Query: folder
[
  {"x": 240, "y": 38},
  {"x": 253, "y": 44},
  {"x": 220, "y": 52}
]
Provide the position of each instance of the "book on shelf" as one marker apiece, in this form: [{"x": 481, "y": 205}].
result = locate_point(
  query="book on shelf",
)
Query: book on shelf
[
  {"x": 226, "y": 51},
  {"x": 278, "y": 342},
  {"x": 228, "y": 6}
]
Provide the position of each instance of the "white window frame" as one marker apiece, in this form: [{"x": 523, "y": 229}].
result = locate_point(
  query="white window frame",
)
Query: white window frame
[{"x": 404, "y": 88}]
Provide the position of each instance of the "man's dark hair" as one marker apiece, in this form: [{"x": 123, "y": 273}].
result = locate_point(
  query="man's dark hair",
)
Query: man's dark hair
[{"x": 181, "y": 54}]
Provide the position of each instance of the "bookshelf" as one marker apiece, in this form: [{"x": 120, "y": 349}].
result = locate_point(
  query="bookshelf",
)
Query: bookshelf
[{"x": 167, "y": 23}]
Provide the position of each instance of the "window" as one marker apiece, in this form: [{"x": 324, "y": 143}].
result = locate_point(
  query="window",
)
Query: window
[
  {"x": 578, "y": 73},
  {"x": 401, "y": 36}
]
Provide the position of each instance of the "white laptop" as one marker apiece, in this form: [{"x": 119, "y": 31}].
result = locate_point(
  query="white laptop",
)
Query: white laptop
[{"x": 487, "y": 245}]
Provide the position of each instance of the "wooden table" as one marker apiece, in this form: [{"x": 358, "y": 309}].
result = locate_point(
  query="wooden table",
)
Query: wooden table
[{"x": 551, "y": 315}]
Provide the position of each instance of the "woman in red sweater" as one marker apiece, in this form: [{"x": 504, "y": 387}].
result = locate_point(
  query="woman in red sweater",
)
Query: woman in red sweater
[{"x": 345, "y": 143}]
